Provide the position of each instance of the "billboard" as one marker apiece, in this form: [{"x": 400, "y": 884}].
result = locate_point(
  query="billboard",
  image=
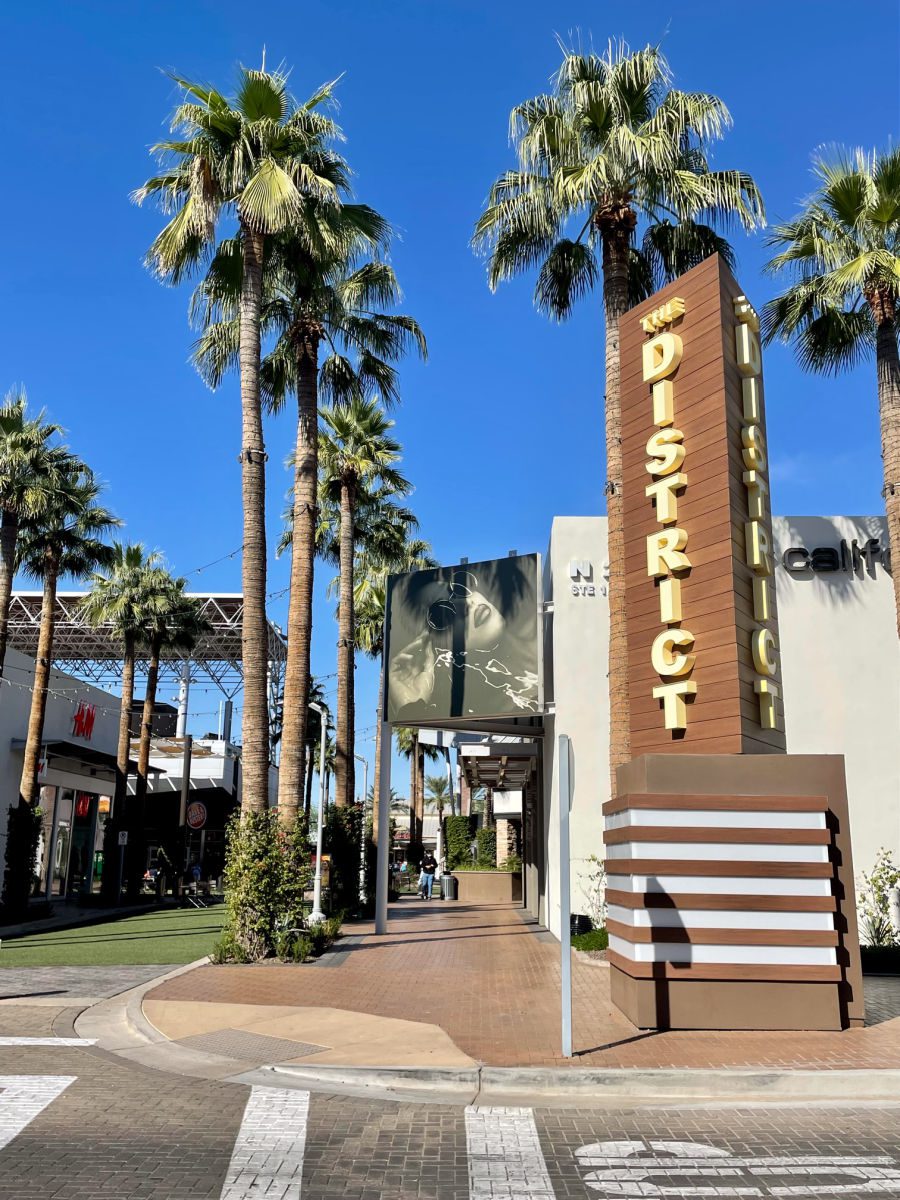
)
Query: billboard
[{"x": 462, "y": 642}]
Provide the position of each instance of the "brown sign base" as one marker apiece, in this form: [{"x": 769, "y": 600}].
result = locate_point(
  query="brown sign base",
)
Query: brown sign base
[{"x": 730, "y": 893}]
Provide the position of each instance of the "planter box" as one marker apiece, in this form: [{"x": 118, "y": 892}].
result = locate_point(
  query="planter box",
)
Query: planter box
[{"x": 488, "y": 887}]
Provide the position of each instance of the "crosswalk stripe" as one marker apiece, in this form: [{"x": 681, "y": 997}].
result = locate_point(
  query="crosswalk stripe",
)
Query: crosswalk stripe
[
  {"x": 46, "y": 1041},
  {"x": 505, "y": 1157},
  {"x": 267, "y": 1159},
  {"x": 24, "y": 1096}
]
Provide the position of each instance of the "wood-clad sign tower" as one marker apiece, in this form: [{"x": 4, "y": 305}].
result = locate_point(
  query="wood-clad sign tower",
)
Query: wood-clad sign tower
[{"x": 730, "y": 883}]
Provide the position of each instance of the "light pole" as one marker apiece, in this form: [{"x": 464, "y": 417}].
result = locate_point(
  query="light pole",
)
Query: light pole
[
  {"x": 362, "y": 829},
  {"x": 317, "y": 916}
]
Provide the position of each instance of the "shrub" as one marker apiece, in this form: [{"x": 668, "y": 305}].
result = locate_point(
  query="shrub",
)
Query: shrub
[
  {"x": 597, "y": 939},
  {"x": 593, "y": 887},
  {"x": 23, "y": 832},
  {"x": 512, "y": 862},
  {"x": 266, "y": 875},
  {"x": 487, "y": 849},
  {"x": 341, "y": 843},
  {"x": 873, "y": 902},
  {"x": 458, "y": 833}
]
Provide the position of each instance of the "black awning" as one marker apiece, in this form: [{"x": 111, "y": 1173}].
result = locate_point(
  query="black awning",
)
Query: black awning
[{"x": 86, "y": 756}]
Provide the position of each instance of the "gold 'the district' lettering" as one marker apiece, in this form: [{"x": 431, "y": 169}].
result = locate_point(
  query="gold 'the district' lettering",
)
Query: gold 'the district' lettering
[
  {"x": 757, "y": 538},
  {"x": 667, "y": 559}
]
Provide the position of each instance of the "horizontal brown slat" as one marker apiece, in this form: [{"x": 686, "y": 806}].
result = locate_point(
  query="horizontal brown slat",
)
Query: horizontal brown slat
[
  {"x": 734, "y": 901},
  {"x": 705, "y": 866},
  {"x": 723, "y": 937},
  {"x": 714, "y": 834},
  {"x": 675, "y": 971},
  {"x": 691, "y": 801}
]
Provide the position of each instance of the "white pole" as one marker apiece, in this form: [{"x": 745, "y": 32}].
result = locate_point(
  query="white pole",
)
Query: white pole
[
  {"x": 565, "y": 919},
  {"x": 184, "y": 691},
  {"x": 383, "y": 783},
  {"x": 362, "y": 831},
  {"x": 317, "y": 916}
]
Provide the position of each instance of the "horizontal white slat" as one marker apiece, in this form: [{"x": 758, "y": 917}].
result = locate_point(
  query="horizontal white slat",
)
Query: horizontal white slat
[
  {"x": 682, "y": 818},
  {"x": 718, "y": 885},
  {"x": 680, "y": 952},
  {"x": 719, "y": 851},
  {"x": 692, "y": 918}
]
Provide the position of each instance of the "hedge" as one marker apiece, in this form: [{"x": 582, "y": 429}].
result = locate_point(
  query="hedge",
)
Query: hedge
[
  {"x": 487, "y": 849},
  {"x": 458, "y": 834}
]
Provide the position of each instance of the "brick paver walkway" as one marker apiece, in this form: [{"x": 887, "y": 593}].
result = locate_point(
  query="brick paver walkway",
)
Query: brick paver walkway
[{"x": 491, "y": 981}]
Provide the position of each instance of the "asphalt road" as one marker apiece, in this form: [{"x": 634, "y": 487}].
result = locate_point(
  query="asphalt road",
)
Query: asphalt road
[{"x": 79, "y": 1124}]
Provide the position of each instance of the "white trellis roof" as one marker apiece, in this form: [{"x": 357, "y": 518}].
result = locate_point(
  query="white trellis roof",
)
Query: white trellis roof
[{"x": 95, "y": 652}]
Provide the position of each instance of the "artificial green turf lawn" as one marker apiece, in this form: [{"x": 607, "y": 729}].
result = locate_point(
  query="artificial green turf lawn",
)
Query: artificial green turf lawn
[{"x": 170, "y": 937}]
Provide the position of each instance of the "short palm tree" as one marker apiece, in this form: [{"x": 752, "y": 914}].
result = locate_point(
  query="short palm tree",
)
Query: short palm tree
[
  {"x": 357, "y": 452},
  {"x": 843, "y": 255},
  {"x": 30, "y": 464},
  {"x": 612, "y": 144},
  {"x": 66, "y": 540},
  {"x": 314, "y": 298},
  {"x": 413, "y": 748},
  {"x": 174, "y": 624},
  {"x": 313, "y": 744},
  {"x": 125, "y": 598},
  {"x": 266, "y": 160}
]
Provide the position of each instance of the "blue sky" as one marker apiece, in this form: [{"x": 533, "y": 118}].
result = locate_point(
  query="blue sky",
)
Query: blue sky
[{"x": 503, "y": 426}]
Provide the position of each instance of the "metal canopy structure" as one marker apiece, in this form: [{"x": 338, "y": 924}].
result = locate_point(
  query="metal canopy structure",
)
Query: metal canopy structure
[
  {"x": 498, "y": 765},
  {"x": 95, "y": 653}
]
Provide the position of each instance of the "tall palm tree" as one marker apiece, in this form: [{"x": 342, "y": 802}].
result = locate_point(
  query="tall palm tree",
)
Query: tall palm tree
[
  {"x": 843, "y": 254},
  {"x": 175, "y": 623},
  {"x": 66, "y": 540},
  {"x": 356, "y": 450},
  {"x": 30, "y": 466},
  {"x": 127, "y": 597},
  {"x": 313, "y": 297},
  {"x": 610, "y": 146},
  {"x": 266, "y": 160}
]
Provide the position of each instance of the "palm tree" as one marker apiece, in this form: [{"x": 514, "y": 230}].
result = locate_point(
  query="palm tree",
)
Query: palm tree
[
  {"x": 313, "y": 295},
  {"x": 843, "y": 254},
  {"x": 356, "y": 451},
  {"x": 127, "y": 597},
  {"x": 66, "y": 540},
  {"x": 611, "y": 145},
  {"x": 175, "y": 623},
  {"x": 313, "y": 744},
  {"x": 29, "y": 476},
  {"x": 267, "y": 160}
]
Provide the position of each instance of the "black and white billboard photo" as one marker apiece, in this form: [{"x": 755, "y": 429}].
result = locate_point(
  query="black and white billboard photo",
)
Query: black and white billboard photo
[{"x": 463, "y": 641}]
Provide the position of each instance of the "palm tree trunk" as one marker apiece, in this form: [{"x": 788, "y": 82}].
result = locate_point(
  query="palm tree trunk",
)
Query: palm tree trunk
[
  {"x": 888, "y": 366},
  {"x": 303, "y": 555},
  {"x": 376, "y": 785},
  {"x": 118, "y": 817},
  {"x": 28, "y": 788},
  {"x": 137, "y": 841},
  {"x": 254, "y": 628},
  {"x": 9, "y": 529},
  {"x": 420, "y": 793},
  {"x": 616, "y": 243},
  {"x": 413, "y": 788},
  {"x": 343, "y": 758}
]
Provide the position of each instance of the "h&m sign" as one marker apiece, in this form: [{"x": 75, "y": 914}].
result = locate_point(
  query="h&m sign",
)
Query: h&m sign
[{"x": 83, "y": 721}]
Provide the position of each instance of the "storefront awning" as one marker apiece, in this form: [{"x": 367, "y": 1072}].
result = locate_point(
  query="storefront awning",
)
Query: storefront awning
[{"x": 84, "y": 756}]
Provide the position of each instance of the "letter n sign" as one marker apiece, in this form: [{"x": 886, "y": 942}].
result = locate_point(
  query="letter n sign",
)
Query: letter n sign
[{"x": 83, "y": 723}]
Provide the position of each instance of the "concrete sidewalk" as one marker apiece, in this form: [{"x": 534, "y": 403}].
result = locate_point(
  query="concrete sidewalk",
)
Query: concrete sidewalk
[{"x": 452, "y": 986}]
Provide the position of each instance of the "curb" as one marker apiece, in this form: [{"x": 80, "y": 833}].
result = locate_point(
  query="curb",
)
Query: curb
[{"x": 497, "y": 1085}]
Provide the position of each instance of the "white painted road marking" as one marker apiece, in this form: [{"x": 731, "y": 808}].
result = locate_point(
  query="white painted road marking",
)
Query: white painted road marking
[
  {"x": 23, "y": 1097},
  {"x": 267, "y": 1160},
  {"x": 46, "y": 1041},
  {"x": 647, "y": 1169},
  {"x": 505, "y": 1157}
]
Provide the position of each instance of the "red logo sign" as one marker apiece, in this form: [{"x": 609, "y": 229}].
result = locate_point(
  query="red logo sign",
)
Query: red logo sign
[
  {"x": 196, "y": 814},
  {"x": 83, "y": 724}
]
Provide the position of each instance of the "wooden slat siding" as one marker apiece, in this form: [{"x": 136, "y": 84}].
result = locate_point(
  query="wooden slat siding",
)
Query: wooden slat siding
[
  {"x": 693, "y": 801},
  {"x": 753, "y": 971},
  {"x": 730, "y": 868},
  {"x": 717, "y": 595},
  {"x": 705, "y": 901},
  {"x": 681, "y": 935},
  {"x": 717, "y": 835}
]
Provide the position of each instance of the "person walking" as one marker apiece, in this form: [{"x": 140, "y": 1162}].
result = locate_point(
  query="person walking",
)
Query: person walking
[{"x": 429, "y": 866}]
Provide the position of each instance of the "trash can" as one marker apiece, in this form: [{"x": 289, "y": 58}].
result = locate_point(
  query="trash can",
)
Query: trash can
[{"x": 448, "y": 887}]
